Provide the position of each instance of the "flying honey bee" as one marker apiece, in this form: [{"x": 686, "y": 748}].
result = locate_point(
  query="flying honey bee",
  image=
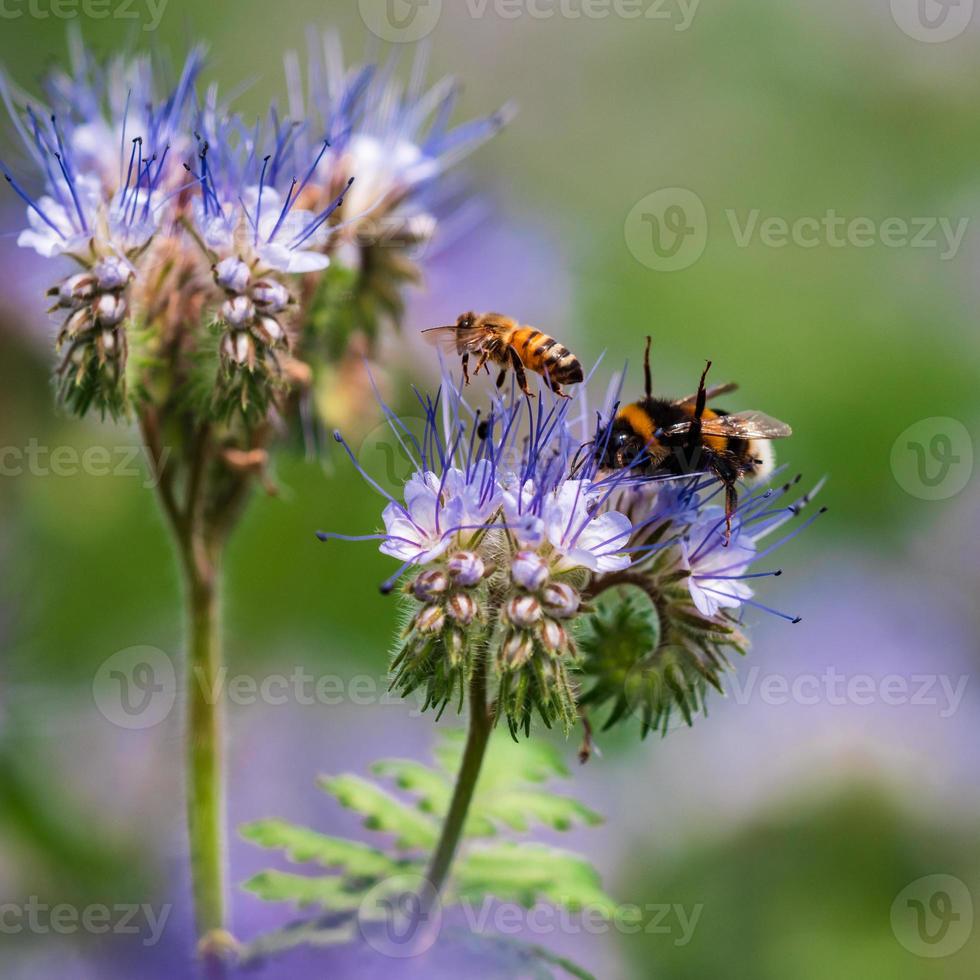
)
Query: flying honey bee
[
  {"x": 660, "y": 436},
  {"x": 502, "y": 340}
]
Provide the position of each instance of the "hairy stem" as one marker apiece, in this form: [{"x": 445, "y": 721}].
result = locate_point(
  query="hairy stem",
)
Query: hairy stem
[
  {"x": 199, "y": 547},
  {"x": 205, "y": 789},
  {"x": 480, "y": 727}
]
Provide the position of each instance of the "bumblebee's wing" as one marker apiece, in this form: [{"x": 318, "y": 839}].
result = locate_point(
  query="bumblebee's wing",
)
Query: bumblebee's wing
[
  {"x": 741, "y": 425},
  {"x": 453, "y": 340},
  {"x": 713, "y": 392}
]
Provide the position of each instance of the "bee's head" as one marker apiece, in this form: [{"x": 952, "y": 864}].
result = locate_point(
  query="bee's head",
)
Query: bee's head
[
  {"x": 465, "y": 321},
  {"x": 619, "y": 446}
]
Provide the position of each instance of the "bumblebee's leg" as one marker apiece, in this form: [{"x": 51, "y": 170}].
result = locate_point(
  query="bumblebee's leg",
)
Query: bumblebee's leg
[
  {"x": 702, "y": 398},
  {"x": 647, "y": 376},
  {"x": 515, "y": 359},
  {"x": 482, "y": 363},
  {"x": 466, "y": 366},
  {"x": 502, "y": 377},
  {"x": 731, "y": 504}
]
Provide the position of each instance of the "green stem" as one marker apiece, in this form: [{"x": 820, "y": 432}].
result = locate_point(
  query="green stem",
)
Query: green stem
[
  {"x": 480, "y": 727},
  {"x": 205, "y": 789}
]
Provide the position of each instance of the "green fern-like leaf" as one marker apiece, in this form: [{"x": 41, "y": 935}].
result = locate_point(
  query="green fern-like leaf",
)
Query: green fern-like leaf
[
  {"x": 531, "y": 873},
  {"x": 302, "y": 846},
  {"x": 382, "y": 811},
  {"x": 510, "y": 796}
]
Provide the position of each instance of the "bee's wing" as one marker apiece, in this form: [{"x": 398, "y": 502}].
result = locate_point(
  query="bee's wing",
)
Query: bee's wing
[
  {"x": 453, "y": 340},
  {"x": 713, "y": 392},
  {"x": 741, "y": 425}
]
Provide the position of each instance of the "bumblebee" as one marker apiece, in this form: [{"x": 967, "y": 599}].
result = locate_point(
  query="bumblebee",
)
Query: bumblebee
[
  {"x": 660, "y": 436},
  {"x": 502, "y": 340}
]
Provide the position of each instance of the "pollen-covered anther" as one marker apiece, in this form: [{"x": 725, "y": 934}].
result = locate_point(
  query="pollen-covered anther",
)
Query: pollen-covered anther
[
  {"x": 467, "y": 568},
  {"x": 553, "y": 636},
  {"x": 524, "y": 611},
  {"x": 238, "y": 311},
  {"x": 270, "y": 296},
  {"x": 232, "y": 274},
  {"x": 431, "y": 619},
  {"x": 561, "y": 600},
  {"x": 517, "y": 649},
  {"x": 462, "y": 608},
  {"x": 529, "y": 570},
  {"x": 109, "y": 309},
  {"x": 429, "y": 585}
]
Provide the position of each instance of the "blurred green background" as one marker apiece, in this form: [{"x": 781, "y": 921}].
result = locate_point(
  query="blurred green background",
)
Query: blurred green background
[{"x": 825, "y": 816}]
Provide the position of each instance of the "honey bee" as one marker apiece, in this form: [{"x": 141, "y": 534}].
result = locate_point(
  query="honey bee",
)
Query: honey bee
[
  {"x": 660, "y": 436},
  {"x": 502, "y": 340}
]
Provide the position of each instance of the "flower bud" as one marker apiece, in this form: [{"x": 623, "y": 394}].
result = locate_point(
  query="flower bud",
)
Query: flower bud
[
  {"x": 270, "y": 296},
  {"x": 232, "y": 274},
  {"x": 553, "y": 636},
  {"x": 76, "y": 290},
  {"x": 238, "y": 347},
  {"x": 523, "y": 610},
  {"x": 429, "y": 585},
  {"x": 529, "y": 570},
  {"x": 238, "y": 311},
  {"x": 466, "y": 568},
  {"x": 462, "y": 608},
  {"x": 79, "y": 321},
  {"x": 109, "y": 309},
  {"x": 430, "y": 620},
  {"x": 517, "y": 649},
  {"x": 561, "y": 600},
  {"x": 270, "y": 330},
  {"x": 112, "y": 273}
]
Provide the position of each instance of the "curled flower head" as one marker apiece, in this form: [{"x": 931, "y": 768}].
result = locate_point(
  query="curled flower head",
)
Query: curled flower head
[{"x": 106, "y": 151}]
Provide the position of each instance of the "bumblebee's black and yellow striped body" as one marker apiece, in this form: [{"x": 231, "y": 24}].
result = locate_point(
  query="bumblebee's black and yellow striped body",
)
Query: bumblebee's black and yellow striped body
[{"x": 660, "y": 436}]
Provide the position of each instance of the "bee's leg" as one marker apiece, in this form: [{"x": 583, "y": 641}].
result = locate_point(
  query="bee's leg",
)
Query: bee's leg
[
  {"x": 647, "y": 376},
  {"x": 482, "y": 363},
  {"x": 502, "y": 377},
  {"x": 466, "y": 366},
  {"x": 556, "y": 388},
  {"x": 515, "y": 359}
]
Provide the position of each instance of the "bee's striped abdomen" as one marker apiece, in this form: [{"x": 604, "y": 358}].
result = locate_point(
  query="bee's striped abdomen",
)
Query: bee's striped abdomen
[{"x": 544, "y": 355}]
